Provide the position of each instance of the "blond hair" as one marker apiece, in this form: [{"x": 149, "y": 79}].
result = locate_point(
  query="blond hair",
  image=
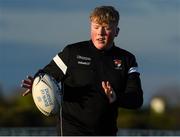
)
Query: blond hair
[{"x": 105, "y": 14}]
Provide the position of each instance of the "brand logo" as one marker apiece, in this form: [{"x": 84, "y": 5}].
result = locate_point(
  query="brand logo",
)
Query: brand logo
[
  {"x": 83, "y": 60},
  {"x": 46, "y": 97}
]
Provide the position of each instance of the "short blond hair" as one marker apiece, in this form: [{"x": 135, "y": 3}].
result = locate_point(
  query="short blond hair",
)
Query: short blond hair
[{"x": 105, "y": 14}]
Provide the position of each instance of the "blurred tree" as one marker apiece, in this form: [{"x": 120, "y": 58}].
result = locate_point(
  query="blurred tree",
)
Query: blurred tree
[
  {"x": 170, "y": 94},
  {"x": 21, "y": 111},
  {"x": 133, "y": 118}
]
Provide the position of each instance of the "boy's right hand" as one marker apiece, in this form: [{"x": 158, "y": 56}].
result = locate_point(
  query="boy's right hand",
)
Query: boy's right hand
[{"x": 27, "y": 84}]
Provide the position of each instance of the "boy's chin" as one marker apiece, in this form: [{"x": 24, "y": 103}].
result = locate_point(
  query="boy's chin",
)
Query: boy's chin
[{"x": 101, "y": 46}]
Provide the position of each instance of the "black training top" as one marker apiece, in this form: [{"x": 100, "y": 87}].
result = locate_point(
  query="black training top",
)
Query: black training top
[{"x": 81, "y": 68}]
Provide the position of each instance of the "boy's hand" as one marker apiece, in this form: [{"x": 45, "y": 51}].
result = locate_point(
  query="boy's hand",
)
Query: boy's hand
[
  {"x": 109, "y": 91},
  {"x": 27, "y": 84}
]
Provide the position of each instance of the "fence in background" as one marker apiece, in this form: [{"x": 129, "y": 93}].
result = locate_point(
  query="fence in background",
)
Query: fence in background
[{"x": 51, "y": 131}]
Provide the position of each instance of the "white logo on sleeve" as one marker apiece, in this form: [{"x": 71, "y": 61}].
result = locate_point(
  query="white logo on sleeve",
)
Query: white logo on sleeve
[{"x": 133, "y": 69}]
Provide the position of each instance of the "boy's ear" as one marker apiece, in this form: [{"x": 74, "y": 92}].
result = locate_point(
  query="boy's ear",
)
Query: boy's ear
[{"x": 117, "y": 31}]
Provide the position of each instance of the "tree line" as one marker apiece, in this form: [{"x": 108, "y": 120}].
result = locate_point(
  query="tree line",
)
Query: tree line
[{"x": 18, "y": 111}]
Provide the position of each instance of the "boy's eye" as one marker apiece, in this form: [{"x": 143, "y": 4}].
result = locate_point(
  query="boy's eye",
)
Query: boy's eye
[
  {"x": 96, "y": 27},
  {"x": 107, "y": 28}
]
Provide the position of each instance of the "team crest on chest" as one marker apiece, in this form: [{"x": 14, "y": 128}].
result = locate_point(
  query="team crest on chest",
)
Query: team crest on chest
[{"x": 117, "y": 63}]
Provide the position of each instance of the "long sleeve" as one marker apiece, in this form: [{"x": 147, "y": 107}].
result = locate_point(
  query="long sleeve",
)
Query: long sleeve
[
  {"x": 132, "y": 97},
  {"x": 58, "y": 65}
]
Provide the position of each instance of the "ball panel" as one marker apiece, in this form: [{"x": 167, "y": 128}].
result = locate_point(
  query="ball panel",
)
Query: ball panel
[{"x": 44, "y": 92}]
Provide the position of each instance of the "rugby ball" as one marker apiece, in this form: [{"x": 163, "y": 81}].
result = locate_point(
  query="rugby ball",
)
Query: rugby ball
[{"x": 46, "y": 94}]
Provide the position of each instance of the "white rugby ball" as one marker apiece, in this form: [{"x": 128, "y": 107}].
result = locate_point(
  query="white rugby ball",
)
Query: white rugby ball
[{"x": 46, "y": 94}]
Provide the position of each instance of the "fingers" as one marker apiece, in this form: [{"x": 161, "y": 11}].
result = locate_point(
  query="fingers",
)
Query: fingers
[
  {"x": 26, "y": 92},
  {"x": 30, "y": 77},
  {"x": 109, "y": 91},
  {"x": 28, "y": 81},
  {"x": 27, "y": 84},
  {"x": 107, "y": 87},
  {"x": 104, "y": 86}
]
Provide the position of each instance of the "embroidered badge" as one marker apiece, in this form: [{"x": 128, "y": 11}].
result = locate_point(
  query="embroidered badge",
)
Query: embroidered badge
[{"x": 117, "y": 63}]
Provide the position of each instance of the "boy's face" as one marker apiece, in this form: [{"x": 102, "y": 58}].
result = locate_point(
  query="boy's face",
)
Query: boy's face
[{"x": 103, "y": 35}]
